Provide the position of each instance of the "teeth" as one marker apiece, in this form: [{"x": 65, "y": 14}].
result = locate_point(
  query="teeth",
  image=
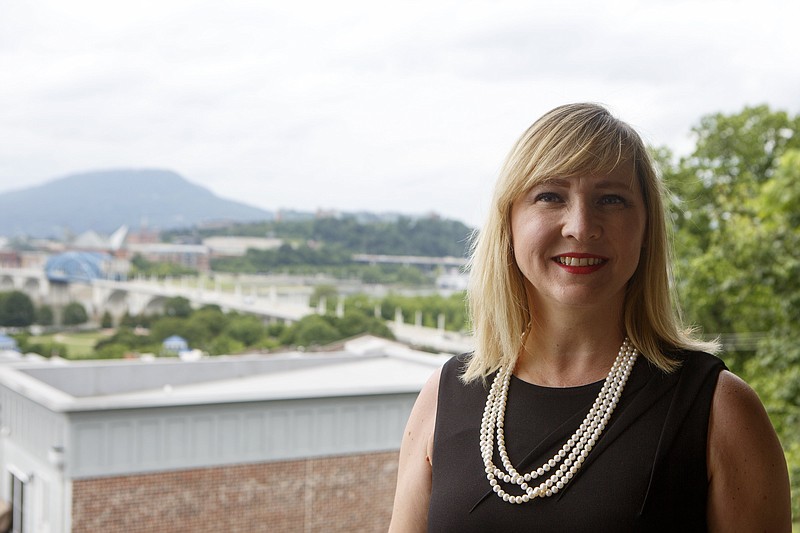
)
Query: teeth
[{"x": 582, "y": 261}]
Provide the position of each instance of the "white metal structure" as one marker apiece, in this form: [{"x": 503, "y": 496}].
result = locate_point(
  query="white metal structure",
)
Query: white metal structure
[{"x": 72, "y": 421}]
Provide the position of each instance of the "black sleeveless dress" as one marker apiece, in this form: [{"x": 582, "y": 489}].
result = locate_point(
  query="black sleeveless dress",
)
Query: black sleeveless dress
[{"x": 646, "y": 473}]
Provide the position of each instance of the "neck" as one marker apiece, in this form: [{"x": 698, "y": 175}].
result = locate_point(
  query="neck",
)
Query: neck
[{"x": 570, "y": 349}]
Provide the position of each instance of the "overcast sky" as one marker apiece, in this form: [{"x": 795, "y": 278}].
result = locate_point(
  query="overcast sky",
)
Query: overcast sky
[{"x": 363, "y": 105}]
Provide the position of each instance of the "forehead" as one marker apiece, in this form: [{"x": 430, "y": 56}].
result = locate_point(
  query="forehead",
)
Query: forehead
[{"x": 620, "y": 177}]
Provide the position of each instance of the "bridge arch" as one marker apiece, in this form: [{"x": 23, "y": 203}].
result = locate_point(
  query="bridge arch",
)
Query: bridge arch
[
  {"x": 33, "y": 288},
  {"x": 155, "y": 306},
  {"x": 116, "y": 304}
]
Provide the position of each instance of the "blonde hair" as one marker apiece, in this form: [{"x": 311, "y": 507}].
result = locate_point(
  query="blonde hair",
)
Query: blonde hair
[{"x": 567, "y": 141}]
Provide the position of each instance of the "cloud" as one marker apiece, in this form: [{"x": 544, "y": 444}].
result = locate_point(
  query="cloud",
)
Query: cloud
[{"x": 407, "y": 106}]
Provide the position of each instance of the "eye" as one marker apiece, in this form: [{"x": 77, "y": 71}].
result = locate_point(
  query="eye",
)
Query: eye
[
  {"x": 613, "y": 199},
  {"x": 548, "y": 197}
]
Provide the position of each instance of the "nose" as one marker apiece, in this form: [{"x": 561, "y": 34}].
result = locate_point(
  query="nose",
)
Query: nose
[{"x": 581, "y": 223}]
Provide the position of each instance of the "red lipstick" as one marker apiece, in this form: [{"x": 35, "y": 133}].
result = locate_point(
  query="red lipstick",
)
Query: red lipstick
[{"x": 580, "y": 263}]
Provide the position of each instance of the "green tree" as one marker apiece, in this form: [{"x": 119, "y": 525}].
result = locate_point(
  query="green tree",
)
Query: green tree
[
  {"x": 168, "y": 326},
  {"x": 206, "y": 323},
  {"x": 311, "y": 330},
  {"x": 16, "y": 309},
  {"x": 107, "y": 321},
  {"x": 122, "y": 341},
  {"x": 736, "y": 209},
  {"x": 356, "y": 323},
  {"x": 44, "y": 315},
  {"x": 143, "y": 267},
  {"x": 177, "y": 306},
  {"x": 225, "y": 345},
  {"x": 74, "y": 314},
  {"x": 246, "y": 329}
]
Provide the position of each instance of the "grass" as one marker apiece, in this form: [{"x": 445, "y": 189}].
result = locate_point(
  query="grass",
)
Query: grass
[{"x": 80, "y": 345}]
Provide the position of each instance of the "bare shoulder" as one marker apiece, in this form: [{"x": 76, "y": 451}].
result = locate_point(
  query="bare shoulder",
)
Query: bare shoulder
[
  {"x": 422, "y": 420},
  {"x": 748, "y": 478},
  {"x": 412, "y": 495}
]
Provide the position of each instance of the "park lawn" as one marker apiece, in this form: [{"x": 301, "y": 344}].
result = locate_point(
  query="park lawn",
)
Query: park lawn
[{"x": 80, "y": 345}]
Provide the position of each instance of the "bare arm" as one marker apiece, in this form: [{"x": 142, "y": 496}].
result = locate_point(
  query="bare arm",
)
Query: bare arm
[
  {"x": 748, "y": 478},
  {"x": 410, "y": 512}
]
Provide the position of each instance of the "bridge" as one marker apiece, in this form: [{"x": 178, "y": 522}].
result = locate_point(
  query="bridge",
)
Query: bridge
[
  {"x": 272, "y": 303},
  {"x": 271, "y": 299},
  {"x": 142, "y": 296},
  {"x": 31, "y": 281},
  {"x": 425, "y": 261}
]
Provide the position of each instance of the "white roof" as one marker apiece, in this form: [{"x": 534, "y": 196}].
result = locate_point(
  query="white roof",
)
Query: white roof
[{"x": 367, "y": 366}]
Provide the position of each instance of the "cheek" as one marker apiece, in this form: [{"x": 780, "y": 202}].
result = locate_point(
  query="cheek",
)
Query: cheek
[
  {"x": 524, "y": 239},
  {"x": 527, "y": 228}
]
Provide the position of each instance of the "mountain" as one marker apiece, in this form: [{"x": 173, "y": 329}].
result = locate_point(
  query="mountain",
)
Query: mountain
[{"x": 105, "y": 200}]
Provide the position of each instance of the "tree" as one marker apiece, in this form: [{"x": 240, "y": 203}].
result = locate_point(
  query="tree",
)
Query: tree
[
  {"x": 16, "y": 309},
  {"x": 247, "y": 330},
  {"x": 44, "y": 315},
  {"x": 177, "y": 306},
  {"x": 225, "y": 345},
  {"x": 74, "y": 314},
  {"x": 310, "y": 330},
  {"x": 107, "y": 321},
  {"x": 733, "y": 156},
  {"x": 208, "y": 322},
  {"x": 168, "y": 326},
  {"x": 356, "y": 323},
  {"x": 736, "y": 209},
  {"x": 143, "y": 267}
]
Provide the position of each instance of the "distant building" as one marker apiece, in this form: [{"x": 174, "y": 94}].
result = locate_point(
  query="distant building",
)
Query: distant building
[
  {"x": 238, "y": 246},
  {"x": 292, "y": 442},
  {"x": 193, "y": 256},
  {"x": 10, "y": 259},
  {"x": 143, "y": 235},
  {"x": 36, "y": 259}
]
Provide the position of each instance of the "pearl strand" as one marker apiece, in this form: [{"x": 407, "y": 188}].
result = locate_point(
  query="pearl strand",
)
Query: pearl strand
[{"x": 572, "y": 454}]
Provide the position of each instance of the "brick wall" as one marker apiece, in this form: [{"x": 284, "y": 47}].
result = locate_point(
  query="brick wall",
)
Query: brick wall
[{"x": 346, "y": 493}]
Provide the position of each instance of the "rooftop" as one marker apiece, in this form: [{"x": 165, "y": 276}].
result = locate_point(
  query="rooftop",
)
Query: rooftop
[{"x": 364, "y": 366}]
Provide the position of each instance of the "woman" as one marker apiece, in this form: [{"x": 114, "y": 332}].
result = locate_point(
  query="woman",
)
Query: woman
[{"x": 572, "y": 314}]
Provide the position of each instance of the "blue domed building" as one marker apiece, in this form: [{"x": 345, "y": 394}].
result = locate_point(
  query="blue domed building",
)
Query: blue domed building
[{"x": 72, "y": 267}]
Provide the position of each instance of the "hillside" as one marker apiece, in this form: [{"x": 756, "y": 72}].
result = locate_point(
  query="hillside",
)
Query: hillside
[
  {"x": 352, "y": 233},
  {"x": 105, "y": 200}
]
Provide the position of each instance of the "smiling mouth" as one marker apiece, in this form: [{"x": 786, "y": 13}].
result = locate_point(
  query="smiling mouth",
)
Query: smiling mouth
[{"x": 579, "y": 261}]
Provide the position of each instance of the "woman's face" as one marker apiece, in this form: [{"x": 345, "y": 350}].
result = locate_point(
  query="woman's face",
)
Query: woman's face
[{"x": 577, "y": 240}]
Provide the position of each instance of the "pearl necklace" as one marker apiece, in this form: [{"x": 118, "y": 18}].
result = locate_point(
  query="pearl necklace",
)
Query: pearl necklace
[{"x": 571, "y": 455}]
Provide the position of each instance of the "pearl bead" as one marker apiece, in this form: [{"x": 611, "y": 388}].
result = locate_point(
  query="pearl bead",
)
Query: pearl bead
[{"x": 576, "y": 448}]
